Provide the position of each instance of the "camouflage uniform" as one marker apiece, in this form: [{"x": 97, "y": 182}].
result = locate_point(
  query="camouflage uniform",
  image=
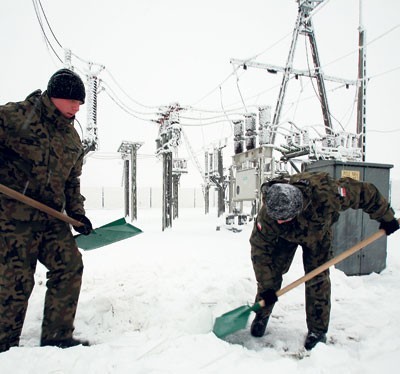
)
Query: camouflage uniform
[
  {"x": 273, "y": 245},
  {"x": 41, "y": 155}
]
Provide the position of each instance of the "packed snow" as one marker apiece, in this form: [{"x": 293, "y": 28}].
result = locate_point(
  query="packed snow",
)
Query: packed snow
[{"x": 148, "y": 305}]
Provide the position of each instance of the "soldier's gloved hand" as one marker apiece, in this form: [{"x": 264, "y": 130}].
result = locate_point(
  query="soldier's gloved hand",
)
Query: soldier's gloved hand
[
  {"x": 87, "y": 227},
  {"x": 390, "y": 227},
  {"x": 269, "y": 296}
]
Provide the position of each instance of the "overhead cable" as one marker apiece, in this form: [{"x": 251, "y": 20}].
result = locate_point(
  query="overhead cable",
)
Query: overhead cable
[
  {"x": 48, "y": 43},
  {"x": 107, "y": 86},
  {"x": 48, "y": 24},
  {"x": 126, "y": 94},
  {"x": 367, "y": 44},
  {"x": 127, "y": 110}
]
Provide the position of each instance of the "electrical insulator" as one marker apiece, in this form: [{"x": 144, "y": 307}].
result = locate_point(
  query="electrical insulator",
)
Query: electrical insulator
[
  {"x": 238, "y": 136},
  {"x": 174, "y": 116},
  {"x": 215, "y": 159},
  {"x": 206, "y": 170},
  {"x": 91, "y": 103},
  {"x": 211, "y": 162},
  {"x": 306, "y": 137},
  {"x": 264, "y": 125},
  {"x": 67, "y": 59},
  {"x": 250, "y": 124}
]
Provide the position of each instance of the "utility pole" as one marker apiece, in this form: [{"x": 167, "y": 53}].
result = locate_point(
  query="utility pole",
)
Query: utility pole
[
  {"x": 303, "y": 26},
  {"x": 169, "y": 138},
  {"x": 362, "y": 86},
  {"x": 207, "y": 183},
  {"x": 221, "y": 185},
  {"x": 167, "y": 190},
  {"x": 216, "y": 175},
  {"x": 128, "y": 151},
  {"x": 91, "y": 140},
  {"x": 179, "y": 167}
]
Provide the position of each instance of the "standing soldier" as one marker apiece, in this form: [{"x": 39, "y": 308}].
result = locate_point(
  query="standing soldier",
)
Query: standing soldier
[
  {"x": 300, "y": 210},
  {"x": 41, "y": 156}
]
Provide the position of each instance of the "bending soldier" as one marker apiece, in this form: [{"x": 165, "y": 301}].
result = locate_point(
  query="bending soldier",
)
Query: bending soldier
[{"x": 299, "y": 211}]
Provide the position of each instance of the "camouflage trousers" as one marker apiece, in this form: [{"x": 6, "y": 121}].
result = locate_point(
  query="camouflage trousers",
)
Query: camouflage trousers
[
  {"x": 51, "y": 243},
  {"x": 272, "y": 261}
]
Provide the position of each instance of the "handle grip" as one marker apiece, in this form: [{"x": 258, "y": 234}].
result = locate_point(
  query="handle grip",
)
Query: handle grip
[{"x": 36, "y": 204}]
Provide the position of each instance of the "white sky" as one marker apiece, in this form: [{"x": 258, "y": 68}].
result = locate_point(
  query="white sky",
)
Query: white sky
[{"x": 161, "y": 52}]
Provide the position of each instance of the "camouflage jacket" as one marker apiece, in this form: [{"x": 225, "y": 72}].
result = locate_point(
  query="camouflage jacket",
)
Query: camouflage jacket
[
  {"x": 41, "y": 156},
  {"x": 324, "y": 198}
]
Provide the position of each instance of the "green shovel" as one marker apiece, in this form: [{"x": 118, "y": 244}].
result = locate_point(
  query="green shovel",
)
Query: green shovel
[
  {"x": 237, "y": 319},
  {"x": 100, "y": 237}
]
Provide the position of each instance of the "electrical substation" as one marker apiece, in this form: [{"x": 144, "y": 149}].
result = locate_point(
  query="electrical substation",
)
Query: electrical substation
[{"x": 263, "y": 146}]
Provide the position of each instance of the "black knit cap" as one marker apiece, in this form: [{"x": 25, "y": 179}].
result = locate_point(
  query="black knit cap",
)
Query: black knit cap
[
  {"x": 65, "y": 84},
  {"x": 283, "y": 201}
]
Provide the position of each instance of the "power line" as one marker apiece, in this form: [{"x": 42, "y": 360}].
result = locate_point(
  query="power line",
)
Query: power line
[
  {"x": 367, "y": 44},
  {"x": 204, "y": 124},
  {"x": 235, "y": 69},
  {"x": 48, "y": 24},
  {"x": 224, "y": 115},
  {"x": 215, "y": 88},
  {"x": 313, "y": 86},
  {"x": 383, "y": 73},
  {"x": 240, "y": 92},
  {"x": 385, "y": 131},
  {"x": 48, "y": 43},
  {"x": 108, "y": 88},
  {"x": 269, "y": 48},
  {"x": 125, "y": 109},
  {"x": 126, "y": 94}
]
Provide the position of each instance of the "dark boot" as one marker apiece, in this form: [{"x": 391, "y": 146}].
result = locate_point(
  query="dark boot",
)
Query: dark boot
[
  {"x": 6, "y": 345},
  {"x": 64, "y": 343},
  {"x": 259, "y": 325},
  {"x": 313, "y": 338}
]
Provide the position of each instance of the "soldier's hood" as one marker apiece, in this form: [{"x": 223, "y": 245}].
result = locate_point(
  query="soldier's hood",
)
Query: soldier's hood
[{"x": 34, "y": 96}]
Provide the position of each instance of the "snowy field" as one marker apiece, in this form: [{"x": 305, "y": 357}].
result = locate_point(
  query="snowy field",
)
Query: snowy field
[{"x": 148, "y": 305}]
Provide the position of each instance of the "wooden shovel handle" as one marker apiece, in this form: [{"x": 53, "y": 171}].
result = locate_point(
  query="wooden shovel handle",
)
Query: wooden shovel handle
[
  {"x": 329, "y": 263},
  {"x": 36, "y": 204}
]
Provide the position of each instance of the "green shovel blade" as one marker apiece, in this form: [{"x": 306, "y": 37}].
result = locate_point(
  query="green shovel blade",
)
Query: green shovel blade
[
  {"x": 110, "y": 233},
  {"x": 232, "y": 321}
]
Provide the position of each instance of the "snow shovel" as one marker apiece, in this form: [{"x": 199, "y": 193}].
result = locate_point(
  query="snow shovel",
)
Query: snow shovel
[
  {"x": 100, "y": 237},
  {"x": 110, "y": 233},
  {"x": 237, "y": 319}
]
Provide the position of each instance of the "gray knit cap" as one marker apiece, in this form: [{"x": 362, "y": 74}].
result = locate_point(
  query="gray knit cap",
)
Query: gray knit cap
[{"x": 283, "y": 201}]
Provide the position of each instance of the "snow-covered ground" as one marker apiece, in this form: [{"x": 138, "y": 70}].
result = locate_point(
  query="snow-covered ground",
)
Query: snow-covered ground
[{"x": 148, "y": 305}]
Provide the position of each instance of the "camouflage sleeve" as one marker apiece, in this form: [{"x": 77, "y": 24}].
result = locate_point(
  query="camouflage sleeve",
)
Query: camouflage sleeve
[
  {"x": 262, "y": 235},
  {"x": 74, "y": 199},
  {"x": 3, "y": 132},
  {"x": 363, "y": 195},
  {"x": 2, "y": 126}
]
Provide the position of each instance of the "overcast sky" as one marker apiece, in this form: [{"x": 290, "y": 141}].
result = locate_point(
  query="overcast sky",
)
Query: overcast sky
[{"x": 164, "y": 51}]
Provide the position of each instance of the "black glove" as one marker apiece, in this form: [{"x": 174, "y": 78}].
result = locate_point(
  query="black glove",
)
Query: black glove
[
  {"x": 87, "y": 227},
  {"x": 390, "y": 227},
  {"x": 269, "y": 296}
]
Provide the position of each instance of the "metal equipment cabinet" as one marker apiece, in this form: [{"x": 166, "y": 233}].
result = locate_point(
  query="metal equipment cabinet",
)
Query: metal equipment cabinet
[{"x": 355, "y": 225}]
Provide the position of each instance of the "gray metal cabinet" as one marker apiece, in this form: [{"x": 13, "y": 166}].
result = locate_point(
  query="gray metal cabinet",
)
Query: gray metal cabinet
[{"x": 355, "y": 225}]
